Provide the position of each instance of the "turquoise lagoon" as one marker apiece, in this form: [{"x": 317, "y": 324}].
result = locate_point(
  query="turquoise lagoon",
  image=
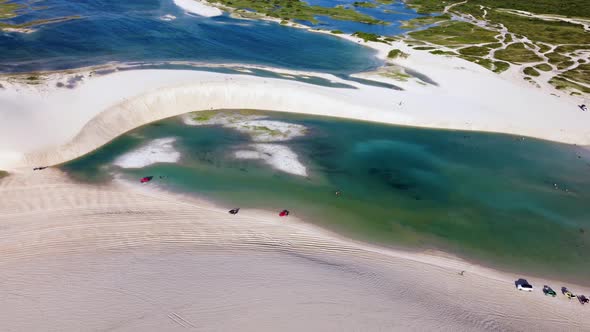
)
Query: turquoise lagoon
[{"x": 511, "y": 202}]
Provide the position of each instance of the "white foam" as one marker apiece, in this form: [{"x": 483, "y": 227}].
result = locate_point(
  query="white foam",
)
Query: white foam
[
  {"x": 157, "y": 151},
  {"x": 167, "y": 17},
  {"x": 278, "y": 156},
  {"x": 198, "y": 7}
]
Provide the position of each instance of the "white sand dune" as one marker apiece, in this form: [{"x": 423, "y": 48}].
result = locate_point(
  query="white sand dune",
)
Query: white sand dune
[
  {"x": 103, "y": 107},
  {"x": 80, "y": 257},
  {"x": 160, "y": 150},
  {"x": 198, "y": 7}
]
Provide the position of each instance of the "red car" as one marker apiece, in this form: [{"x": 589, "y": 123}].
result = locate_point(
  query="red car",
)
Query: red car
[
  {"x": 284, "y": 213},
  {"x": 146, "y": 179}
]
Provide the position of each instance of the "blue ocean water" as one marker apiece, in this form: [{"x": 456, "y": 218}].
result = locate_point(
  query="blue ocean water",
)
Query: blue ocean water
[{"x": 120, "y": 31}]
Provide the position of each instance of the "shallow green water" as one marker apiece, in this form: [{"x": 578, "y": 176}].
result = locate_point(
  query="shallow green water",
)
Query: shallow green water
[{"x": 482, "y": 196}]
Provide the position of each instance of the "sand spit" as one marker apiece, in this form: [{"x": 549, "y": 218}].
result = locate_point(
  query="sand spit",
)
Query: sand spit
[
  {"x": 271, "y": 131},
  {"x": 279, "y": 157},
  {"x": 80, "y": 257},
  {"x": 101, "y": 108},
  {"x": 254, "y": 125},
  {"x": 198, "y": 7},
  {"x": 157, "y": 151}
]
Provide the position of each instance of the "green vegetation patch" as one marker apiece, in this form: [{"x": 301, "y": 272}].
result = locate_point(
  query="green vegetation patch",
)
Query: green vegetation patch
[
  {"x": 299, "y": 10},
  {"x": 474, "y": 51},
  {"x": 471, "y": 8},
  {"x": 576, "y": 8},
  {"x": 517, "y": 53},
  {"x": 552, "y": 32},
  {"x": 391, "y": 39},
  {"x": 441, "y": 52},
  {"x": 395, "y": 53},
  {"x": 579, "y": 74},
  {"x": 35, "y": 23},
  {"x": 500, "y": 66},
  {"x": 531, "y": 71},
  {"x": 571, "y": 48},
  {"x": 424, "y": 48},
  {"x": 544, "y": 67},
  {"x": 558, "y": 60},
  {"x": 366, "y": 36},
  {"x": 562, "y": 84},
  {"x": 364, "y": 4},
  {"x": 492, "y": 45},
  {"x": 424, "y": 20},
  {"x": 203, "y": 115},
  {"x": 3, "y": 174},
  {"x": 8, "y": 9},
  {"x": 486, "y": 63},
  {"x": 455, "y": 34},
  {"x": 429, "y": 6},
  {"x": 543, "y": 48},
  {"x": 495, "y": 66}
]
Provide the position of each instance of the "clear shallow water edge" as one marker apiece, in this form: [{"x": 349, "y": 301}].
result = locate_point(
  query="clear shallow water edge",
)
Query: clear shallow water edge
[{"x": 516, "y": 203}]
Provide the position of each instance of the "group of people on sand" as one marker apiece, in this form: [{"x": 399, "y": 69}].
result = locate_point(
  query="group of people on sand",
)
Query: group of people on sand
[
  {"x": 234, "y": 211},
  {"x": 283, "y": 213}
]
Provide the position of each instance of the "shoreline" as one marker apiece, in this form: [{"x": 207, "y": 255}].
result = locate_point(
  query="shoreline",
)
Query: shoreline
[
  {"x": 455, "y": 81},
  {"x": 105, "y": 223},
  {"x": 198, "y": 7},
  {"x": 421, "y": 255},
  {"x": 94, "y": 102}
]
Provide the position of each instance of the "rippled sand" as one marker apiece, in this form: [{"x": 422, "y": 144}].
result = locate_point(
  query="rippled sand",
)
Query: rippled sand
[{"x": 81, "y": 257}]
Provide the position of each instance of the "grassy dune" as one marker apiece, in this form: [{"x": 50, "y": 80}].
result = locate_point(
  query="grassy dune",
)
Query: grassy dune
[
  {"x": 8, "y": 10},
  {"x": 455, "y": 34},
  {"x": 299, "y": 10},
  {"x": 534, "y": 28},
  {"x": 517, "y": 53}
]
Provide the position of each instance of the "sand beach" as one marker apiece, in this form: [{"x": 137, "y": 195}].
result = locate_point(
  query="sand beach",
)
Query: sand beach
[
  {"x": 127, "y": 257},
  {"x": 123, "y": 257}
]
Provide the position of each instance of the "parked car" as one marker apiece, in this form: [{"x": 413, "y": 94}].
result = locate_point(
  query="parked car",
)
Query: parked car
[
  {"x": 523, "y": 285},
  {"x": 548, "y": 291},
  {"x": 567, "y": 293},
  {"x": 583, "y": 299}
]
